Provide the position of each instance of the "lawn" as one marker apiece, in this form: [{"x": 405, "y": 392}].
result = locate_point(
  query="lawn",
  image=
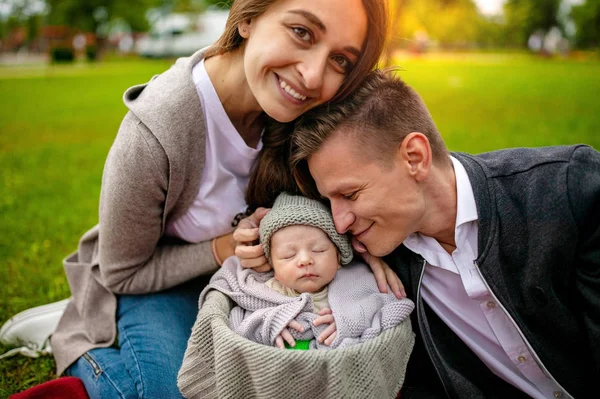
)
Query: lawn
[{"x": 57, "y": 124}]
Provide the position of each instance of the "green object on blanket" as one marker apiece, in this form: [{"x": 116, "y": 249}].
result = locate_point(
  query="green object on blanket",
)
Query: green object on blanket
[{"x": 301, "y": 345}]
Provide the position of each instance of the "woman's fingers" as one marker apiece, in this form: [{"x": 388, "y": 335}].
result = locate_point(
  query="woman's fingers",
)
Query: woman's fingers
[
  {"x": 254, "y": 263},
  {"x": 253, "y": 221},
  {"x": 262, "y": 269},
  {"x": 358, "y": 246},
  {"x": 247, "y": 230},
  {"x": 259, "y": 214},
  {"x": 376, "y": 265},
  {"x": 249, "y": 251},
  {"x": 245, "y": 235},
  {"x": 252, "y": 257},
  {"x": 385, "y": 276},
  {"x": 394, "y": 282}
]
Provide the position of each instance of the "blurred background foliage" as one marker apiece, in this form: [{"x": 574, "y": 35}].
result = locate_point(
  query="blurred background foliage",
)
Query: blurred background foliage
[{"x": 545, "y": 26}]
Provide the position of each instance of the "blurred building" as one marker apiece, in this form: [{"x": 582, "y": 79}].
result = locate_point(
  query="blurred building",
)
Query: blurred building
[{"x": 176, "y": 35}]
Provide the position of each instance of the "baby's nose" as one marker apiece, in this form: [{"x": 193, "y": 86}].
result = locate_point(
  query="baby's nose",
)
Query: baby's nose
[{"x": 305, "y": 259}]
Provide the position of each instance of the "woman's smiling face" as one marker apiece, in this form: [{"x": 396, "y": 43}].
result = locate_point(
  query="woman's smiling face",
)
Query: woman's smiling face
[{"x": 298, "y": 53}]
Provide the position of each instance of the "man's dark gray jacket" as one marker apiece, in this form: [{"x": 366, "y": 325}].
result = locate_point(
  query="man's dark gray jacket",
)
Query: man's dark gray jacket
[{"x": 539, "y": 252}]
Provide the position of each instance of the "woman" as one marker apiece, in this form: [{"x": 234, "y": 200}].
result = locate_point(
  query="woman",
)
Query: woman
[{"x": 175, "y": 176}]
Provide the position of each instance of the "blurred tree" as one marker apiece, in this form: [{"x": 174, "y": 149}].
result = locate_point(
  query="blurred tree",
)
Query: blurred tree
[
  {"x": 491, "y": 32},
  {"x": 95, "y": 16},
  {"x": 451, "y": 23},
  {"x": 395, "y": 9},
  {"x": 182, "y": 6},
  {"x": 88, "y": 15},
  {"x": 526, "y": 17},
  {"x": 586, "y": 17},
  {"x": 219, "y": 3},
  {"x": 12, "y": 23},
  {"x": 23, "y": 13},
  {"x": 34, "y": 26}
]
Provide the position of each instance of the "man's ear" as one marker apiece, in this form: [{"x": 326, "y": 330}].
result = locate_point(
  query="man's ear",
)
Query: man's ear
[
  {"x": 415, "y": 152},
  {"x": 244, "y": 28}
]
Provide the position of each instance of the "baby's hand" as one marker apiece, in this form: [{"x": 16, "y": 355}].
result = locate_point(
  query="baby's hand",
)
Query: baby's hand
[
  {"x": 287, "y": 336},
  {"x": 384, "y": 275},
  {"x": 245, "y": 235},
  {"x": 328, "y": 335}
]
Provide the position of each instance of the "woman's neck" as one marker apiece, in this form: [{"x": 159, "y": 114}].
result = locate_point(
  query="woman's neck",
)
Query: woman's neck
[{"x": 226, "y": 72}]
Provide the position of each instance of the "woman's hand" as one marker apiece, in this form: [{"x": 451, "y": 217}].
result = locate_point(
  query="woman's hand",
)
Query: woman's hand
[
  {"x": 287, "y": 336},
  {"x": 328, "y": 335},
  {"x": 247, "y": 248},
  {"x": 384, "y": 275}
]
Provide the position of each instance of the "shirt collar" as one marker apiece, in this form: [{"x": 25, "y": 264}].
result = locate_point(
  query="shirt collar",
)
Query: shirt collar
[{"x": 466, "y": 210}]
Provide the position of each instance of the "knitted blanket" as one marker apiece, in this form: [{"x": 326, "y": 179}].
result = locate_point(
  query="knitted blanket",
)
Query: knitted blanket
[{"x": 372, "y": 346}]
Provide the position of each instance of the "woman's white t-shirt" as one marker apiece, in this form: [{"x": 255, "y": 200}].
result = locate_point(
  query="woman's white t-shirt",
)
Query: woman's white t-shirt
[{"x": 227, "y": 165}]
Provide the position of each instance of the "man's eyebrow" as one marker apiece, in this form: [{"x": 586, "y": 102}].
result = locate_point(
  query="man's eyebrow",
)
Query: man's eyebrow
[{"x": 342, "y": 188}]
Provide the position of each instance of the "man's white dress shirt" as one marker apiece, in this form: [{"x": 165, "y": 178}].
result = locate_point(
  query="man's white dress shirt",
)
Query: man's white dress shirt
[{"x": 455, "y": 290}]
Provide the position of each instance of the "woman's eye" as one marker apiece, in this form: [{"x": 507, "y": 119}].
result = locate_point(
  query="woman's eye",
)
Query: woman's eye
[
  {"x": 302, "y": 33},
  {"x": 342, "y": 62}
]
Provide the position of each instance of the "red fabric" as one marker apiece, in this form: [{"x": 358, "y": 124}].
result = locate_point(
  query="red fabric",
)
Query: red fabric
[{"x": 60, "y": 388}]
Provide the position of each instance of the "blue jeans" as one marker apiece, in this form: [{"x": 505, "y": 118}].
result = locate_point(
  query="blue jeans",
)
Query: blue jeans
[{"x": 153, "y": 332}]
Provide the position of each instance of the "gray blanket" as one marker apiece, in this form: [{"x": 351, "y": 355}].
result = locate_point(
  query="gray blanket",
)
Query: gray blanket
[{"x": 361, "y": 312}]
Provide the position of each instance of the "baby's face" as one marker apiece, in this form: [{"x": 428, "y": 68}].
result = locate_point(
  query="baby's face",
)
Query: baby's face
[{"x": 303, "y": 258}]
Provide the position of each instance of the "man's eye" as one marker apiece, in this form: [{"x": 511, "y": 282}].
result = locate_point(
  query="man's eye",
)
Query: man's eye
[
  {"x": 302, "y": 34},
  {"x": 352, "y": 196}
]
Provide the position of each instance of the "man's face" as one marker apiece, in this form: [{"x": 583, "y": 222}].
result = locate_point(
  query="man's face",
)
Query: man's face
[
  {"x": 379, "y": 204},
  {"x": 304, "y": 258}
]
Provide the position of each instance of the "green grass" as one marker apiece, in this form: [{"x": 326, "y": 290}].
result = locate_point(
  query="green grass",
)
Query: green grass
[{"x": 57, "y": 124}]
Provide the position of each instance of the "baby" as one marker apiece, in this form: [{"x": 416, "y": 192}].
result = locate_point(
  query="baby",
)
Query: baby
[
  {"x": 305, "y": 250},
  {"x": 309, "y": 300}
]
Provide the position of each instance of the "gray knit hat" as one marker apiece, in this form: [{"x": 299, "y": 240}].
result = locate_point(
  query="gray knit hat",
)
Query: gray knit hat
[{"x": 289, "y": 210}]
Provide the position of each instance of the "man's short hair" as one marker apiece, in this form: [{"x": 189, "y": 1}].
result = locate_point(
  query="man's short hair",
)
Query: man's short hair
[{"x": 378, "y": 115}]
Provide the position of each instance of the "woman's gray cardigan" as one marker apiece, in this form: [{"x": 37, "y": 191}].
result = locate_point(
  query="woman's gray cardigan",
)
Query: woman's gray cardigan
[{"x": 152, "y": 175}]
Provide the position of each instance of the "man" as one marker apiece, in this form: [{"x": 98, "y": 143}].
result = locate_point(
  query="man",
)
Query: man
[{"x": 500, "y": 251}]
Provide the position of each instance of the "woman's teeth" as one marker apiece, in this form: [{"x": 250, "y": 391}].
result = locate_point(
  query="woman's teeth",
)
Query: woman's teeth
[{"x": 291, "y": 91}]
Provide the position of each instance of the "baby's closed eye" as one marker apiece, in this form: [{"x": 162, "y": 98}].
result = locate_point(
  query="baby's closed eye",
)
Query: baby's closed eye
[{"x": 287, "y": 255}]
